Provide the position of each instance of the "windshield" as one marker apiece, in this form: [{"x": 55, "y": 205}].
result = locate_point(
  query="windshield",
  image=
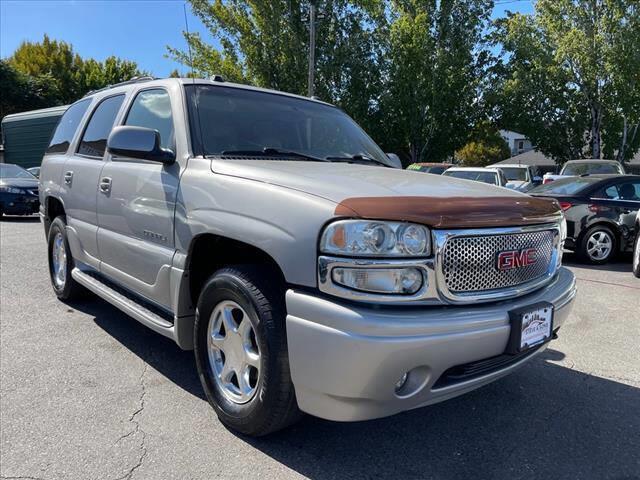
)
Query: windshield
[
  {"x": 591, "y": 167},
  {"x": 14, "y": 171},
  {"x": 515, "y": 173},
  {"x": 238, "y": 120},
  {"x": 485, "y": 177},
  {"x": 565, "y": 186}
]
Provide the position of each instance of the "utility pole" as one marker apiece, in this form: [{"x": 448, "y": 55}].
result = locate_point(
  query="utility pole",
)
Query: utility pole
[{"x": 312, "y": 45}]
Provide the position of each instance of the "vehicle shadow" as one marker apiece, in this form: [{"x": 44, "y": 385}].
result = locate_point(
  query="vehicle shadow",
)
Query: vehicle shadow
[
  {"x": 622, "y": 263},
  {"x": 20, "y": 219},
  {"x": 543, "y": 421}
]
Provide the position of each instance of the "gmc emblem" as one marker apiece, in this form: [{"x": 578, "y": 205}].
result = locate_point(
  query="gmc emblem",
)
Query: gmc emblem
[{"x": 517, "y": 258}]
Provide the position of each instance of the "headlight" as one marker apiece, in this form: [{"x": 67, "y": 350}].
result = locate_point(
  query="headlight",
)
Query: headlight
[
  {"x": 563, "y": 229},
  {"x": 363, "y": 238},
  {"x": 6, "y": 189}
]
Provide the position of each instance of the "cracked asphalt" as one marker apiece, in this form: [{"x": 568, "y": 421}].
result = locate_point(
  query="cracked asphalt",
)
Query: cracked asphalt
[{"x": 88, "y": 393}]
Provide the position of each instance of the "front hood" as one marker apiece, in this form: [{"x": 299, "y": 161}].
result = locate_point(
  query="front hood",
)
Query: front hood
[
  {"x": 386, "y": 193},
  {"x": 19, "y": 182}
]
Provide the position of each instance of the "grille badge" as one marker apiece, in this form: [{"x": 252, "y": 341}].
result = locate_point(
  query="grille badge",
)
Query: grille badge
[{"x": 517, "y": 258}]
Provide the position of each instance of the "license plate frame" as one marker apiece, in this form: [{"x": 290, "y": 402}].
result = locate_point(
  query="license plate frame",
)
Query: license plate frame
[{"x": 521, "y": 319}]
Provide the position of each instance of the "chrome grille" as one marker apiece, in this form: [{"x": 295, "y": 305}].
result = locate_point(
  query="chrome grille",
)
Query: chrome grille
[{"x": 469, "y": 262}]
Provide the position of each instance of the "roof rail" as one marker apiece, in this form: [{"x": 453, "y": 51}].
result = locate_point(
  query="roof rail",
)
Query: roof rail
[{"x": 142, "y": 78}]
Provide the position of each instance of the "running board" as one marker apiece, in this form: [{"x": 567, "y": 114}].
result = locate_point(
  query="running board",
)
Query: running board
[{"x": 132, "y": 308}]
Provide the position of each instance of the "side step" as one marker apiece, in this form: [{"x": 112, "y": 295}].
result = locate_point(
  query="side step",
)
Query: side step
[{"x": 129, "y": 306}]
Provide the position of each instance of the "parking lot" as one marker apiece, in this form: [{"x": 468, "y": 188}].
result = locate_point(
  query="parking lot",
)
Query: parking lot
[{"x": 88, "y": 393}]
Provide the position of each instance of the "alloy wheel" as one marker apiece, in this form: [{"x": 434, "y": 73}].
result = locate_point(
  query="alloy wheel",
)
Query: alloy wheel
[
  {"x": 234, "y": 354},
  {"x": 59, "y": 260},
  {"x": 599, "y": 245}
]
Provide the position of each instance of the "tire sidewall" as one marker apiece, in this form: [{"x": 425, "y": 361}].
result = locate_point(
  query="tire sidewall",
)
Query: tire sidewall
[
  {"x": 583, "y": 247},
  {"x": 59, "y": 226},
  {"x": 226, "y": 286},
  {"x": 636, "y": 254}
]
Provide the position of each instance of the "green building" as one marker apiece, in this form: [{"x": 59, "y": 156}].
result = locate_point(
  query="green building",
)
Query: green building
[{"x": 26, "y": 135}]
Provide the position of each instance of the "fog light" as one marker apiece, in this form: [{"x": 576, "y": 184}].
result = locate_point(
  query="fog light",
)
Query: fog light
[
  {"x": 379, "y": 280},
  {"x": 400, "y": 383}
]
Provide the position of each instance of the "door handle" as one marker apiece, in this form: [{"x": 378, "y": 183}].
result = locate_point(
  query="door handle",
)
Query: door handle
[
  {"x": 105, "y": 184},
  {"x": 68, "y": 177}
]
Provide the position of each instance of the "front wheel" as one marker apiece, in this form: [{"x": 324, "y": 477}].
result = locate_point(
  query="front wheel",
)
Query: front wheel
[
  {"x": 241, "y": 350},
  {"x": 598, "y": 245},
  {"x": 636, "y": 256}
]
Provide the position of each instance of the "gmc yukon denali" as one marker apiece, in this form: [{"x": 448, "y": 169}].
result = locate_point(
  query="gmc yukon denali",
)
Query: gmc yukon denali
[{"x": 271, "y": 235}]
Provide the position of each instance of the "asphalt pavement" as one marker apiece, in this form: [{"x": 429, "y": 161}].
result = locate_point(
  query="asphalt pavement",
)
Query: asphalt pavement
[{"x": 88, "y": 393}]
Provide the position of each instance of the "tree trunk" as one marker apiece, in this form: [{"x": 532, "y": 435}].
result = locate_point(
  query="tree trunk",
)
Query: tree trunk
[
  {"x": 596, "y": 139},
  {"x": 623, "y": 143}
]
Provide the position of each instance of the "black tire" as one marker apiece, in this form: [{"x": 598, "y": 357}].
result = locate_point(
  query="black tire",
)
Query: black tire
[
  {"x": 583, "y": 252},
  {"x": 636, "y": 254},
  {"x": 273, "y": 406},
  {"x": 70, "y": 290}
]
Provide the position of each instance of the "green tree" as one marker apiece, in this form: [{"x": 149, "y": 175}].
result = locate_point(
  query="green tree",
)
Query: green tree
[
  {"x": 570, "y": 77},
  {"x": 435, "y": 63},
  {"x": 21, "y": 92},
  {"x": 485, "y": 147}
]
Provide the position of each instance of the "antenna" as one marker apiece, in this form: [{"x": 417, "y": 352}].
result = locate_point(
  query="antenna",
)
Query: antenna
[{"x": 186, "y": 24}]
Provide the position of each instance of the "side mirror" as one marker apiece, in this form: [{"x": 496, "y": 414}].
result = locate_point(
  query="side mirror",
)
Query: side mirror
[
  {"x": 139, "y": 142},
  {"x": 395, "y": 160},
  {"x": 537, "y": 180}
]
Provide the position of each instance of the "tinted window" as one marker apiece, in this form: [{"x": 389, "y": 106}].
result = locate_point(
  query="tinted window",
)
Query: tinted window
[
  {"x": 152, "y": 109},
  {"x": 565, "y": 186},
  {"x": 94, "y": 139},
  {"x": 435, "y": 170},
  {"x": 485, "y": 177},
  {"x": 67, "y": 127},
  {"x": 232, "y": 119},
  {"x": 8, "y": 170},
  {"x": 515, "y": 173},
  {"x": 623, "y": 191},
  {"x": 592, "y": 168}
]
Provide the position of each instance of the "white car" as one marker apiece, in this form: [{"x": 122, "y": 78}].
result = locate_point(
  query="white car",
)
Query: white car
[
  {"x": 492, "y": 176},
  {"x": 520, "y": 177},
  {"x": 575, "y": 168}
]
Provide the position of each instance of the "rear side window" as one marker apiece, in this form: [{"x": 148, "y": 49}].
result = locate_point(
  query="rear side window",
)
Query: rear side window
[
  {"x": 152, "y": 109},
  {"x": 94, "y": 139},
  {"x": 67, "y": 127}
]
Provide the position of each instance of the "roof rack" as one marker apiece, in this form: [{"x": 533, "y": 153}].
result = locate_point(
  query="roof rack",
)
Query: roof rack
[{"x": 142, "y": 78}]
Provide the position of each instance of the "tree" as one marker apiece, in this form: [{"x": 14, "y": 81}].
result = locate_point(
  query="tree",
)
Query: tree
[
  {"x": 430, "y": 100},
  {"x": 21, "y": 92},
  {"x": 570, "y": 77},
  {"x": 485, "y": 147}
]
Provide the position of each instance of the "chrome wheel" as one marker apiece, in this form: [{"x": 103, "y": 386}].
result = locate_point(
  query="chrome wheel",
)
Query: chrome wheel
[
  {"x": 234, "y": 354},
  {"x": 599, "y": 245},
  {"x": 59, "y": 261},
  {"x": 636, "y": 256}
]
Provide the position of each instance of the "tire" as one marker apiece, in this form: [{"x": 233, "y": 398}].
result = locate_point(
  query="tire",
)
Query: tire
[
  {"x": 598, "y": 235},
  {"x": 266, "y": 402},
  {"x": 636, "y": 255},
  {"x": 64, "y": 286}
]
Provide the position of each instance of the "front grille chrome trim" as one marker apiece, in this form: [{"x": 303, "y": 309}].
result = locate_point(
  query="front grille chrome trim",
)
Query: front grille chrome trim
[{"x": 442, "y": 237}]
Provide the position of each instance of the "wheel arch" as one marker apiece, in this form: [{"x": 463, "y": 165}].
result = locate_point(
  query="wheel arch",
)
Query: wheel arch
[{"x": 53, "y": 207}]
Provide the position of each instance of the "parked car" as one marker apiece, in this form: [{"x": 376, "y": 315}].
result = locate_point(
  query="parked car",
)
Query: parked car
[
  {"x": 520, "y": 177},
  {"x": 636, "y": 248},
  {"x": 266, "y": 231},
  {"x": 600, "y": 212},
  {"x": 35, "y": 171},
  {"x": 492, "y": 176},
  {"x": 436, "y": 168},
  {"x": 574, "y": 168},
  {"x": 18, "y": 191}
]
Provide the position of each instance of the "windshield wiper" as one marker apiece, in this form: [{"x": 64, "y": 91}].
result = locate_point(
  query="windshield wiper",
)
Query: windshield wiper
[
  {"x": 357, "y": 158},
  {"x": 272, "y": 152}
]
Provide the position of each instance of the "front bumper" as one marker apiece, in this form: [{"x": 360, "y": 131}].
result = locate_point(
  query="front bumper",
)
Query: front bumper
[
  {"x": 346, "y": 359},
  {"x": 12, "y": 204}
]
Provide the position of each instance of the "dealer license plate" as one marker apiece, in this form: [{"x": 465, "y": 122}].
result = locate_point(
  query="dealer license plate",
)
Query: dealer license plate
[{"x": 530, "y": 326}]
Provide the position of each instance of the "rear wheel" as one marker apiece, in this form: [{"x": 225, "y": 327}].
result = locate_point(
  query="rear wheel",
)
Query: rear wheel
[
  {"x": 61, "y": 262},
  {"x": 241, "y": 350},
  {"x": 598, "y": 245}
]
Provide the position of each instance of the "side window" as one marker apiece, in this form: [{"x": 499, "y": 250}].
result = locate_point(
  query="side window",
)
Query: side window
[
  {"x": 152, "y": 109},
  {"x": 629, "y": 191},
  {"x": 67, "y": 127},
  {"x": 94, "y": 139}
]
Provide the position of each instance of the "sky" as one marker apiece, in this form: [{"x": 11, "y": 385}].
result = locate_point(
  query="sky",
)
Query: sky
[{"x": 137, "y": 30}]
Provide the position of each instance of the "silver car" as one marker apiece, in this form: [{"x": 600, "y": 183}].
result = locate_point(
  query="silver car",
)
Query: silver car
[{"x": 271, "y": 235}]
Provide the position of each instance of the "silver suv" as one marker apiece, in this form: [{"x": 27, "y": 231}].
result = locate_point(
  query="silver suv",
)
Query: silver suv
[{"x": 271, "y": 235}]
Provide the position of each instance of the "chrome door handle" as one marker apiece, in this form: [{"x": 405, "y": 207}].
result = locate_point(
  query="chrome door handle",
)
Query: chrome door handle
[
  {"x": 68, "y": 177},
  {"x": 105, "y": 184}
]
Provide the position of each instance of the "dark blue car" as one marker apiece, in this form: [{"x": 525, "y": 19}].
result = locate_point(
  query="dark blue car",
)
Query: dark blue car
[{"x": 18, "y": 191}]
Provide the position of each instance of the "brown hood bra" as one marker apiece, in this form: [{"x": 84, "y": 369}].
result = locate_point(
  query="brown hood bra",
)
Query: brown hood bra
[{"x": 454, "y": 212}]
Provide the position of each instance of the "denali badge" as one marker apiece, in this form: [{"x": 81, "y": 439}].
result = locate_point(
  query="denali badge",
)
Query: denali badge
[{"x": 517, "y": 258}]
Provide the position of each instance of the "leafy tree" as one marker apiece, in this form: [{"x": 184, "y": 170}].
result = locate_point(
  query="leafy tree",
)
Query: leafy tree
[
  {"x": 485, "y": 147},
  {"x": 570, "y": 77},
  {"x": 21, "y": 92}
]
